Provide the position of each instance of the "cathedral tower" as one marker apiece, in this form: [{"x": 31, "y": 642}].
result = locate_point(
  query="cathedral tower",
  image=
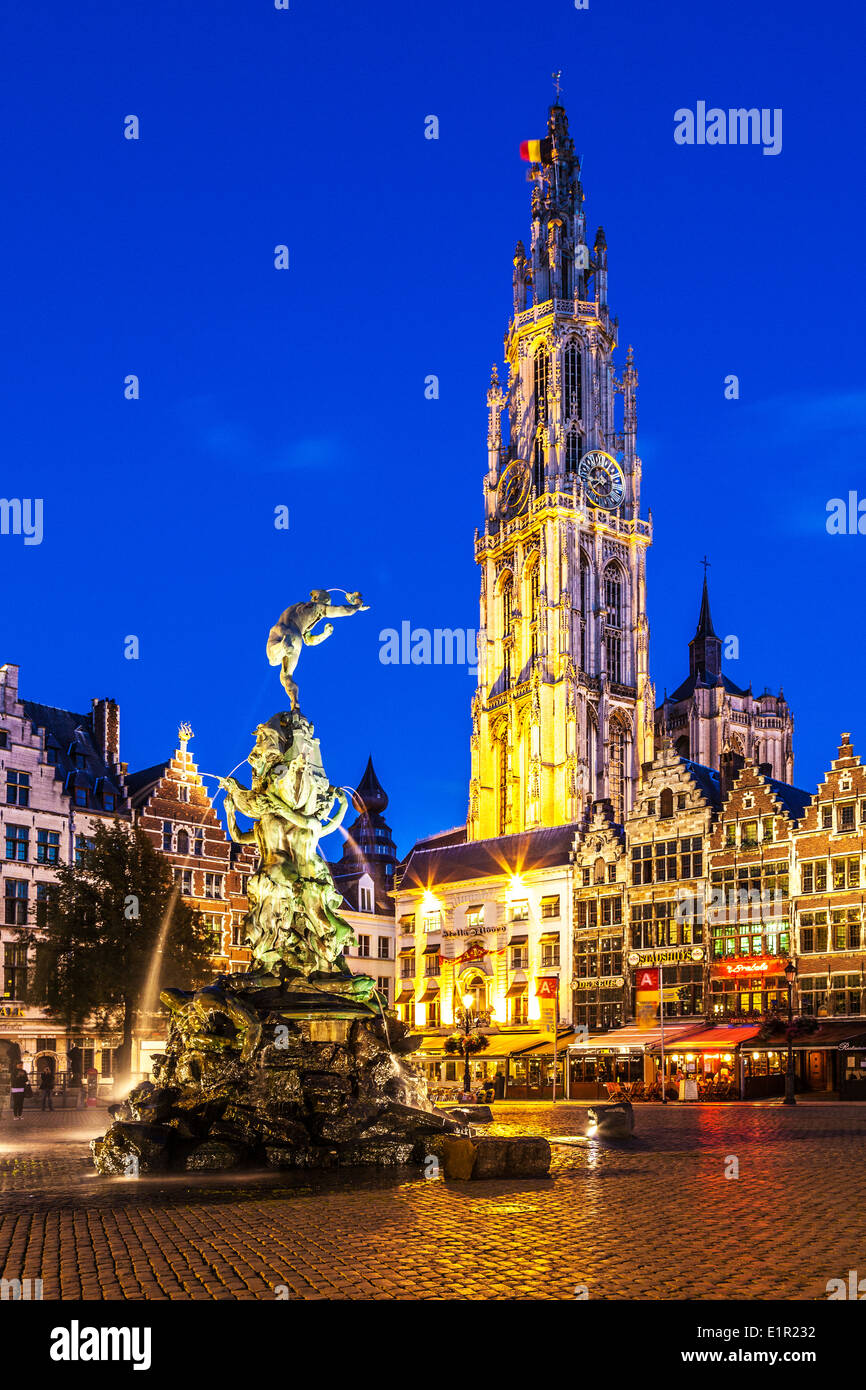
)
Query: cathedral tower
[{"x": 563, "y": 711}]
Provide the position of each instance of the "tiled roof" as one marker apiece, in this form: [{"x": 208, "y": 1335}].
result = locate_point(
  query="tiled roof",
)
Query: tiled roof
[
  {"x": 140, "y": 783},
  {"x": 65, "y": 730},
  {"x": 506, "y": 854}
]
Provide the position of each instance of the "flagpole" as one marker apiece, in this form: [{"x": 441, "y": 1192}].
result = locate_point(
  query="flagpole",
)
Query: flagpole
[{"x": 662, "y": 1035}]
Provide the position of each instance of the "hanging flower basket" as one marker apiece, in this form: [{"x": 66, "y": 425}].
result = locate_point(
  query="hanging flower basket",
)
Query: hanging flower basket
[{"x": 461, "y": 1044}]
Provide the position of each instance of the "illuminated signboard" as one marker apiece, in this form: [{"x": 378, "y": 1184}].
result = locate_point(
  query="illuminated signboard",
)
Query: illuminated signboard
[
  {"x": 747, "y": 965},
  {"x": 673, "y": 955}
]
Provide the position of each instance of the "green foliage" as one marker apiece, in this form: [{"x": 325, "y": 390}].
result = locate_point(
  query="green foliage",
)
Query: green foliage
[
  {"x": 461, "y": 1044},
  {"x": 102, "y": 920}
]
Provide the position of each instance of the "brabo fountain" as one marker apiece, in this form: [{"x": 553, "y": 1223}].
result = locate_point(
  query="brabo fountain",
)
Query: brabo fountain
[{"x": 293, "y": 1064}]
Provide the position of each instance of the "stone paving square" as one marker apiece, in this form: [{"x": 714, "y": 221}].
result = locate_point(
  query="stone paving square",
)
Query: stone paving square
[{"x": 653, "y": 1218}]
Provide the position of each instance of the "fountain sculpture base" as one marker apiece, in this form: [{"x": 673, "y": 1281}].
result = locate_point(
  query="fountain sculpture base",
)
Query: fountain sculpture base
[{"x": 282, "y": 1076}]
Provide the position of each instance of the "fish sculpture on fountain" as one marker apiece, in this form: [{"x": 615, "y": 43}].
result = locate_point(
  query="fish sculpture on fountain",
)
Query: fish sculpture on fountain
[{"x": 295, "y": 1063}]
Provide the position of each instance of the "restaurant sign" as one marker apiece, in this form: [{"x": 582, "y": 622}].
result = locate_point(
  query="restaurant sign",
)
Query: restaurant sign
[
  {"x": 11, "y": 1010},
  {"x": 603, "y": 982},
  {"x": 746, "y": 965},
  {"x": 671, "y": 955}
]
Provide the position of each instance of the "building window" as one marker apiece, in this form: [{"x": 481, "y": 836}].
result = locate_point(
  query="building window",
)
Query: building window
[
  {"x": 82, "y": 845},
  {"x": 17, "y": 788},
  {"x": 538, "y": 465},
  {"x": 845, "y": 929},
  {"x": 433, "y": 1014},
  {"x": 41, "y": 904},
  {"x": 182, "y": 842},
  {"x": 768, "y": 825},
  {"x": 407, "y": 922},
  {"x": 14, "y": 970},
  {"x": 183, "y": 792},
  {"x": 475, "y": 917},
  {"x": 4, "y": 739},
  {"x": 81, "y": 796},
  {"x": 826, "y": 817},
  {"x": 519, "y": 957},
  {"x": 18, "y": 843},
  {"x": 550, "y": 907},
  {"x": 813, "y": 933},
  {"x": 572, "y": 381},
  {"x": 617, "y": 771},
  {"x": 549, "y": 954},
  {"x": 108, "y": 801},
  {"x": 47, "y": 846},
  {"x": 166, "y": 837},
  {"x": 384, "y": 948},
  {"x": 520, "y": 911},
  {"x": 691, "y": 857},
  {"x": 846, "y": 873},
  {"x": 812, "y": 990},
  {"x": 363, "y": 945},
  {"x": 198, "y": 844},
  {"x": 365, "y": 894},
  {"x": 383, "y": 985},
  {"x": 213, "y": 885},
  {"x": 432, "y": 921},
  {"x": 15, "y": 901},
  {"x": 611, "y": 911},
  {"x": 518, "y": 1008},
  {"x": 845, "y": 994},
  {"x": 237, "y": 931},
  {"x": 666, "y": 804},
  {"x": 665, "y": 861},
  {"x": 641, "y": 864}
]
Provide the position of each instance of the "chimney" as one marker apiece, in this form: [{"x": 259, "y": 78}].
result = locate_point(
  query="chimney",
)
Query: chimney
[
  {"x": 729, "y": 765},
  {"x": 105, "y": 717},
  {"x": 765, "y": 769},
  {"x": 8, "y": 687}
]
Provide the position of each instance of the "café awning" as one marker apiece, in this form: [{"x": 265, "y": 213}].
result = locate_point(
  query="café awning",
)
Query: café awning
[
  {"x": 406, "y": 993},
  {"x": 430, "y": 993},
  {"x": 842, "y": 1036},
  {"x": 518, "y": 940},
  {"x": 721, "y": 1039},
  {"x": 519, "y": 987},
  {"x": 626, "y": 1039}
]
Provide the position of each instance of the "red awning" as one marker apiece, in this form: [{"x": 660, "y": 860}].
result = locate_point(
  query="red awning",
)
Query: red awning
[{"x": 709, "y": 1039}]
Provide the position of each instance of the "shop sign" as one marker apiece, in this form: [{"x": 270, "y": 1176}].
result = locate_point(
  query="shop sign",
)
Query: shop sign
[
  {"x": 11, "y": 1010},
  {"x": 646, "y": 979},
  {"x": 746, "y": 965},
  {"x": 671, "y": 955},
  {"x": 602, "y": 982},
  {"x": 546, "y": 988}
]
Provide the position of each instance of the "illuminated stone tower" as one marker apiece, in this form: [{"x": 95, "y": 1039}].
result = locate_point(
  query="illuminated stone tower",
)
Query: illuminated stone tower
[{"x": 563, "y": 713}]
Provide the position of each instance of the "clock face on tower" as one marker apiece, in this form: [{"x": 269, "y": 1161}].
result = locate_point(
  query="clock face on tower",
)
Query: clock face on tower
[
  {"x": 602, "y": 478},
  {"x": 513, "y": 490}
]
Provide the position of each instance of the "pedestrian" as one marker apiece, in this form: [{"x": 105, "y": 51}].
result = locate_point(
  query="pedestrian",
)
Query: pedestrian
[
  {"x": 46, "y": 1086},
  {"x": 18, "y": 1090}
]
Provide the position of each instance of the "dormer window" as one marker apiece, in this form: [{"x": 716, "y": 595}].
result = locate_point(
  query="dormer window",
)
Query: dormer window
[
  {"x": 365, "y": 896},
  {"x": 666, "y": 804}
]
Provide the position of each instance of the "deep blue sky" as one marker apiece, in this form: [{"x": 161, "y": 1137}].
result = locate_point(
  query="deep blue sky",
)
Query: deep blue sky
[{"x": 305, "y": 388}]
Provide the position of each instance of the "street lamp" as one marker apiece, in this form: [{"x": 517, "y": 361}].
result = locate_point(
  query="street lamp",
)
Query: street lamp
[
  {"x": 790, "y": 977},
  {"x": 470, "y": 1018}
]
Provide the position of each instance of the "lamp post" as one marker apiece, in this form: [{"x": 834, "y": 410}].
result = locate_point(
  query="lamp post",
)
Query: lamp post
[
  {"x": 470, "y": 1018},
  {"x": 790, "y": 977}
]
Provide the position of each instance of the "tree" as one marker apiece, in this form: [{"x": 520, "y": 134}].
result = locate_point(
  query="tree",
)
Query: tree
[{"x": 102, "y": 935}]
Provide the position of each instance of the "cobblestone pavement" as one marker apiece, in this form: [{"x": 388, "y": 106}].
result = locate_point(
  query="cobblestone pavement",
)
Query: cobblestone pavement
[{"x": 655, "y": 1218}]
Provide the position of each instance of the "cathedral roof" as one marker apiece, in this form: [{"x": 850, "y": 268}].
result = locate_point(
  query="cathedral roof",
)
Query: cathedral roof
[
  {"x": 705, "y": 622},
  {"x": 702, "y": 678}
]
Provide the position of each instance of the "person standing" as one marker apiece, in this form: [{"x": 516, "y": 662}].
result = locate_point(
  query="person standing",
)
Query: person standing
[
  {"x": 18, "y": 1090},
  {"x": 46, "y": 1086}
]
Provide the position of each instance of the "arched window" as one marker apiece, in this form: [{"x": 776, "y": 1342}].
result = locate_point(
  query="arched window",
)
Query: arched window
[
  {"x": 534, "y": 597},
  {"x": 476, "y": 985},
  {"x": 584, "y": 612},
  {"x": 182, "y": 842},
  {"x": 613, "y": 595},
  {"x": 503, "y": 786},
  {"x": 507, "y": 606},
  {"x": 538, "y": 466},
  {"x": 666, "y": 804},
  {"x": 539, "y": 383},
  {"x": 572, "y": 381},
  {"x": 613, "y": 622},
  {"x": 617, "y": 755},
  {"x": 573, "y": 451},
  {"x": 598, "y": 871}
]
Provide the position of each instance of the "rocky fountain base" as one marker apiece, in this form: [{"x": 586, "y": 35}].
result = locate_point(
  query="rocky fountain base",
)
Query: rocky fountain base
[{"x": 260, "y": 1071}]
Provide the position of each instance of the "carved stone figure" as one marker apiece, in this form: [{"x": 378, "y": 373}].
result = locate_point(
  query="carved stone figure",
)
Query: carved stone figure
[{"x": 294, "y": 629}]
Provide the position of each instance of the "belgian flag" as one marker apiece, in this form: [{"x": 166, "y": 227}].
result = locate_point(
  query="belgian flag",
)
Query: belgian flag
[{"x": 537, "y": 151}]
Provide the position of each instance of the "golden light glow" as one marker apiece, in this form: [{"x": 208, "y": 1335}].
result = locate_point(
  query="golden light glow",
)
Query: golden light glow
[
  {"x": 429, "y": 902},
  {"x": 516, "y": 886}
]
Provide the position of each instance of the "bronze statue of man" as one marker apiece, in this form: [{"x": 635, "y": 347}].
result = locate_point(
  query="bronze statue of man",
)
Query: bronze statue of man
[{"x": 294, "y": 629}]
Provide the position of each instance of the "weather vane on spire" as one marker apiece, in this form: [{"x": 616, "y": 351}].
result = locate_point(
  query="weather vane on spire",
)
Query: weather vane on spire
[{"x": 556, "y": 82}]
